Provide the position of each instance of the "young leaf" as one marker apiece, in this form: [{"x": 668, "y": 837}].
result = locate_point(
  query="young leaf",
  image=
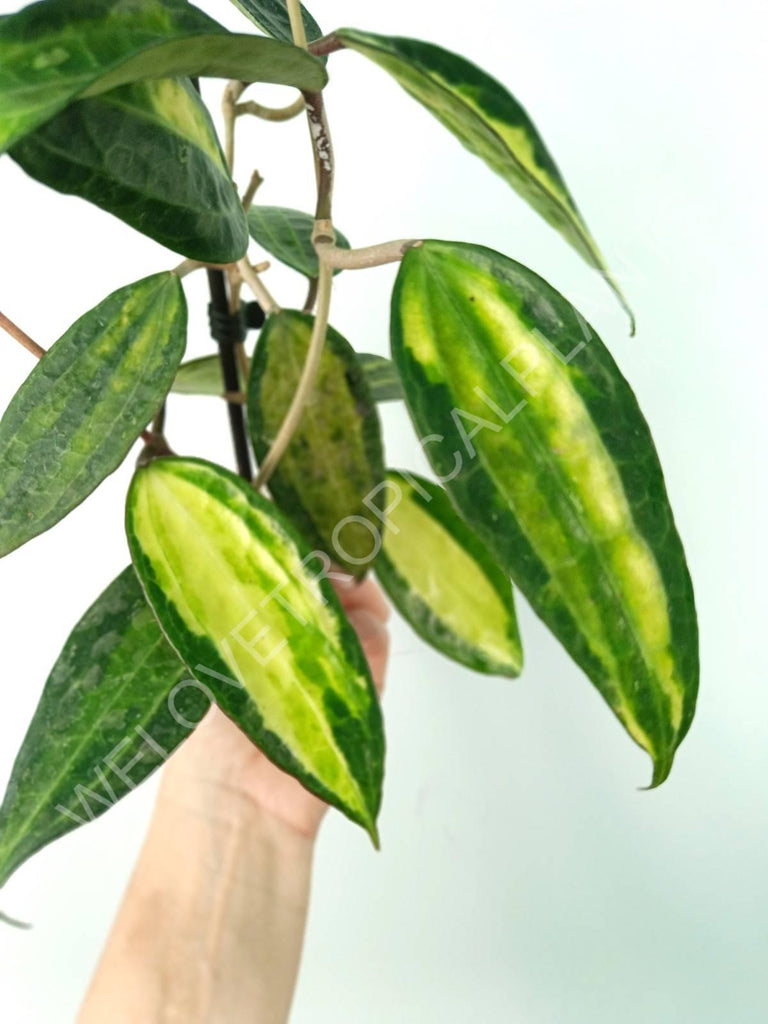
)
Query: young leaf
[
  {"x": 199, "y": 377},
  {"x": 544, "y": 450},
  {"x": 114, "y": 707},
  {"x": 235, "y": 592},
  {"x": 490, "y": 123},
  {"x": 334, "y": 462},
  {"x": 76, "y": 416},
  {"x": 149, "y": 154},
  {"x": 382, "y": 377},
  {"x": 56, "y": 51},
  {"x": 287, "y": 235},
  {"x": 272, "y": 17},
  {"x": 444, "y": 581}
]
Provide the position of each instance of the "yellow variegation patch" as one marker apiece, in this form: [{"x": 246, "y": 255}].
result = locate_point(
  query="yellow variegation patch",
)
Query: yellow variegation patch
[
  {"x": 523, "y": 372},
  {"x": 225, "y": 572}
]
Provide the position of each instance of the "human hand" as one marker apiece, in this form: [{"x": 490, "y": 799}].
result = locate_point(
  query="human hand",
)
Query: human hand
[{"x": 219, "y": 761}]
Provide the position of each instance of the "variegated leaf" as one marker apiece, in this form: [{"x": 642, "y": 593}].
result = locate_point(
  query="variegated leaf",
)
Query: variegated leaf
[
  {"x": 76, "y": 416},
  {"x": 545, "y": 452},
  {"x": 490, "y": 123},
  {"x": 444, "y": 581},
  {"x": 246, "y": 607},
  {"x": 114, "y": 707}
]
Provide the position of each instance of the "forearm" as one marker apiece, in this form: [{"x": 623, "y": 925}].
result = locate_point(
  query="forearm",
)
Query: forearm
[{"x": 212, "y": 923}]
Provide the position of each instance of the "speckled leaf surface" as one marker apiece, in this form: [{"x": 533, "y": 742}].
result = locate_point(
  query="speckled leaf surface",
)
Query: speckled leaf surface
[
  {"x": 113, "y": 708},
  {"x": 490, "y": 123},
  {"x": 148, "y": 153},
  {"x": 541, "y": 444},
  {"x": 56, "y": 51},
  {"x": 444, "y": 581},
  {"x": 329, "y": 478},
  {"x": 287, "y": 235},
  {"x": 245, "y": 605},
  {"x": 272, "y": 17},
  {"x": 76, "y": 416}
]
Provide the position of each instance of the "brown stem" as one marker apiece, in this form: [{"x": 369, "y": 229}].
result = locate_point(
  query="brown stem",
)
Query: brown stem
[
  {"x": 325, "y": 45},
  {"x": 309, "y": 302},
  {"x": 21, "y": 336}
]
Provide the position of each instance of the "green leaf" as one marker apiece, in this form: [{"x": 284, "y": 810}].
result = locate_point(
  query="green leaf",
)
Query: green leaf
[
  {"x": 382, "y": 377},
  {"x": 542, "y": 446},
  {"x": 287, "y": 235},
  {"x": 334, "y": 462},
  {"x": 249, "y": 610},
  {"x": 272, "y": 17},
  {"x": 444, "y": 581},
  {"x": 76, "y": 416},
  {"x": 490, "y": 123},
  {"x": 56, "y": 51},
  {"x": 111, "y": 712},
  {"x": 148, "y": 153},
  {"x": 199, "y": 377},
  {"x": 203, "y": 377}
]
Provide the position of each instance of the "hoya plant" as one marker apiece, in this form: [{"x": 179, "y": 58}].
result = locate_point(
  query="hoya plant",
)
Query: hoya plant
[{"x": 545, "y": 477}]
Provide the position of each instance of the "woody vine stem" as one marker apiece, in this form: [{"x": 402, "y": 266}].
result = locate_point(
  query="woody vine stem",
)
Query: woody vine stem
[{"x": 329, "y": 256}]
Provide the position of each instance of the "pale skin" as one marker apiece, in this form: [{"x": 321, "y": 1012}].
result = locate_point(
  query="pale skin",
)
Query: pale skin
[{"x": 212, "y": 924}]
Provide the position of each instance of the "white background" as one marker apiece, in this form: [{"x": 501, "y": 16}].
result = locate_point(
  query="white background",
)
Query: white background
[{"x": 523, "y": 876}]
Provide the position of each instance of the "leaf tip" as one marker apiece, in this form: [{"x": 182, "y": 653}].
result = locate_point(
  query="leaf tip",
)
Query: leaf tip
[{"x": 662, "y": 766}]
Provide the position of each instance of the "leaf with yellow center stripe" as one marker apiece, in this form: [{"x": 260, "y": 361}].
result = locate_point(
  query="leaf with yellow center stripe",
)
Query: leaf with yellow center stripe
[
  {"x": 490, "y": 123},
  {"x": 540, "y": 441},
  {"x": 246, "y": 608},
  {"x": 443, "y": 579},
  {"x": 76, "y": 416}
]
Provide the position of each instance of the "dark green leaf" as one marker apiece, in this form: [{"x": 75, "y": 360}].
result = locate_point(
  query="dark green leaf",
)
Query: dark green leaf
[
  {"x": 444, "y": 581},
  {"x": 108, "y": 717},
  {"x": 382, "y": 377},
  {"x": 272, "y": 17},
  {"x": 56, "y": 51},
  {"x": 490, "y": 123},
  {"x": 76, "y": 416},
  {"x": 248, "y": 609},
  {"x": 287, "y": 235},
  {"x": 334, "y": 463},
  {"x": 148, "y": 153},
  {"x": 543, "y": 448}
]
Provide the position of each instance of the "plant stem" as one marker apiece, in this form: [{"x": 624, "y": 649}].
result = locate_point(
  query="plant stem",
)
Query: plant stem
[
  {"x": 257, "y": 286},
  {"x": 309, "y": 302},
  {"x": 220, "y": 303},
  {"x": 297, "y": 23},
  {"x": 306, "y": 381},
  {"x": 270, "y": 113},
  {"x": 368, "y": 256},
  {"x": 327, "y": 44},
  {"x": 21, "y": 336},
  {"x": 323, "y": 155}
]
